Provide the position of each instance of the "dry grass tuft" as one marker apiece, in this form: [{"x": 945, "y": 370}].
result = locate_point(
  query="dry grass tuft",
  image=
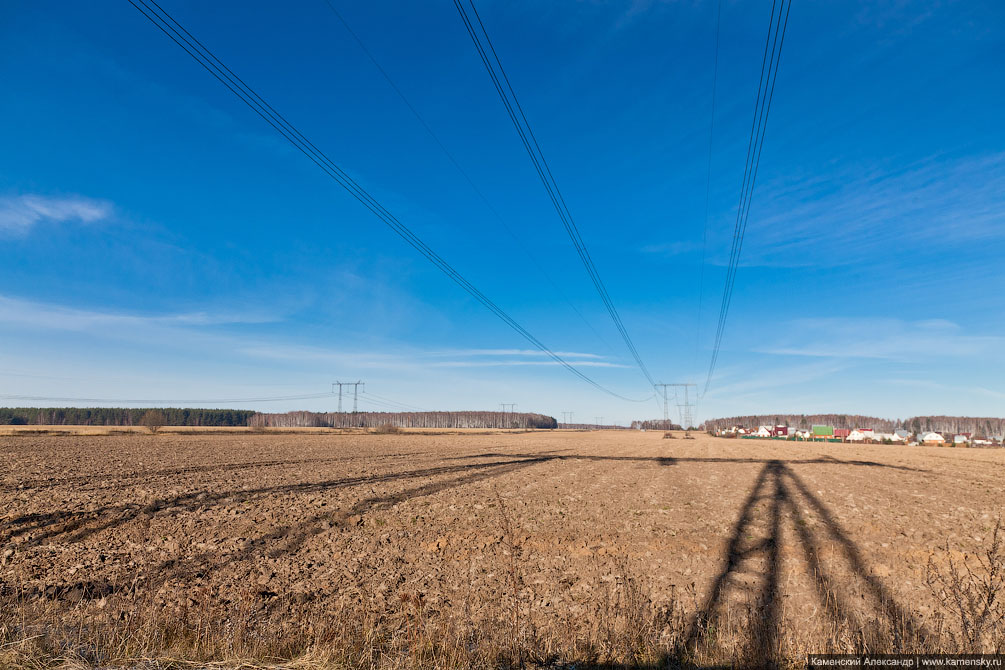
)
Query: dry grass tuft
[
  {"x": 970, "y": 592},
  {"x": 387, "y": 429}
]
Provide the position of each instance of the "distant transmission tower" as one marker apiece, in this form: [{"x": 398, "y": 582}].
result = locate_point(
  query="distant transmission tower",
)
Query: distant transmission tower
[
  {"x": 685, "y": 407},
  {"x": 355, "y": 393},
  {"x": 512, "y": 408},
  {"x": 568, "y": 418},
  {"x": 600, "y": 422}
]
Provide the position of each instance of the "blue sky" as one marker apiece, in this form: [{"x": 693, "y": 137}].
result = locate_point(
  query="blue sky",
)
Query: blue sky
[{"x": 161, "y": 242}]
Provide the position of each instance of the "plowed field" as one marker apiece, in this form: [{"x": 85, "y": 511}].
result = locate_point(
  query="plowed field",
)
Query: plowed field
[{"x": 548, "y": 547}]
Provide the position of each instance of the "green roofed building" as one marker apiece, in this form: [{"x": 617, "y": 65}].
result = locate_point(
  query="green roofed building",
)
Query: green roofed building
[{"x": 823, "y": 431}]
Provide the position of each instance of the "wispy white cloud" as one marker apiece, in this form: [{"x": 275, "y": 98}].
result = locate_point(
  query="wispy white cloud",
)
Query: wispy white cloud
[
  {"x": 510, "y": 352},
  {"x": 476, "y": 358},
  {"x": 672, "y": 248},
  {"x": 416, "y": 360},
  {"x": 959, "y": 390},
  {"x": 19, "y": 214},
  {"x": 322, "y": 356},
  {"x": 751, "y": 381},
  {"x": 193, "y": 329},
  {"x": 864, "y": 213},
  {"x": 883, "y": 338},
  {"x": 479, "y": 364},
  {"x": 26, "y": 313}
]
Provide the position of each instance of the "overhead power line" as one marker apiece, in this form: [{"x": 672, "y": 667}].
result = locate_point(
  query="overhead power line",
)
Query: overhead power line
[
  {"x": 708, "y": 180},
  {"x": 762, "y": 107},
  {"x": 496, "y": 72},
  {"x": 373, "y": 397},
  {"x": 453, "y": 161},
  {"x": 194, "y": 48}
]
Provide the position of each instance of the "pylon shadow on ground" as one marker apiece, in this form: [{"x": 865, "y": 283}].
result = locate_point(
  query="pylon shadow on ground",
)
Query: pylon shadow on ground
[{"x": 778, "y": 489}]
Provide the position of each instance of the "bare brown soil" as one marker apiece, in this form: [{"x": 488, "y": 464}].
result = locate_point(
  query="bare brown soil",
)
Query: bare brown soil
[{"x": 464, "y": 549}]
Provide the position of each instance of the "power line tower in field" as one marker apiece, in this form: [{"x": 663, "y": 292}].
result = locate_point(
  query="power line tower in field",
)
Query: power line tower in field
[
  {"x": 567, "y": 418},
  {"x": 512, "y": 410},
  {"x": 686, "y": 410},
  {"x": 355, "y": 393},
  {"x": 685, "y": 407}
]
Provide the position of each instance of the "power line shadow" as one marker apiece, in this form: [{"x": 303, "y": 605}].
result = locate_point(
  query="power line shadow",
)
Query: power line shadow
[
  {"x": 290, "y": 538},
  {"x": 75, "y": 525},
  {"x": 136, "y": 478},
  {"x": 679, "y": 460}
]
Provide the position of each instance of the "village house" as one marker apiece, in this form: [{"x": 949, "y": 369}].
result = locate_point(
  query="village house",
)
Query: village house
[
  {"x": 904, "y": 435},
  {"x": 843, "y": 433},
  {"x": 961, "y": 440},
  {"x": 931, "y": 439},
  {"x": 855, "y": 436},
  {"x": 822, "y": 432},
  {"x": 763, "y": 431},
  {"x": 780, "y": 431}
]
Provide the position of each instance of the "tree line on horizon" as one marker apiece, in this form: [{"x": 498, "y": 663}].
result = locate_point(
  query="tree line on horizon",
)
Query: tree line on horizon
[
  {"x": 655, "y": 424},
  {"x": 121, "y": 416},
  {"x": 979, "y": 426},
  {"x": 462, "y": 419},
  {"x": 174, "y": 416}
]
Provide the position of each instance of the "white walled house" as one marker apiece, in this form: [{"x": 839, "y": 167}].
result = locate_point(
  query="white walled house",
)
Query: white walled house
[
  {"x": 856, "y": 436},
  {"x": 763, "y": 431},
  {"x": 931, "y": 439}
]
